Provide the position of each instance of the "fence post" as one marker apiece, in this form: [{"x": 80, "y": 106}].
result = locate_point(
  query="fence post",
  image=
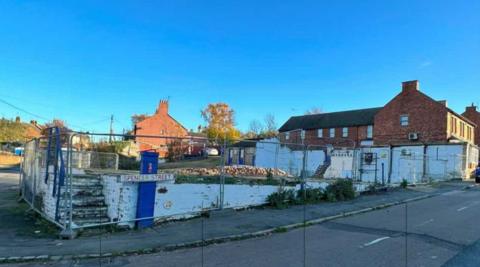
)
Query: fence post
[{"x": 222, "y": 174}]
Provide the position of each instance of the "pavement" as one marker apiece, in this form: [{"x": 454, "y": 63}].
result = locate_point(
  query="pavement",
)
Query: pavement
[{"x": 426, "y": 232}]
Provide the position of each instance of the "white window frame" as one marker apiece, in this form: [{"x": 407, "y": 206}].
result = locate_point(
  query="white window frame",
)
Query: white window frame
[
  {"x": 302, "y": 134},
  {"x": 345, "y": 132},
  {"x": 404, "y": 120},
  {"x": 320, "y": 133},
  {"x": 287, "y": 136},
  {"x": 370, "y": 131},
  {"x": 331, "y": 133}
]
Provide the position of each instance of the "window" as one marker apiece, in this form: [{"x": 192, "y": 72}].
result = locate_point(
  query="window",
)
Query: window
[
  {"x": 302, "y": 134},
  {"x": 332, "y": 132},
  {"x": 345, "y": 132},
  {"x": 287, "y": 135},
  {"x": 370, "y": 131},
  {"x": 404, "y": 120},
  {"x": 320, "y": 133}
]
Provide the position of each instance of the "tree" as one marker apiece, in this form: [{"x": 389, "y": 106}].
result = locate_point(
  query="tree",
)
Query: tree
[
  {"x": 313, "y": 110},
  {"x": 270, "y": 126},
  {"x": 220, "y": 122},
  {"x": 12, "y": 131},
  {"x": 256, "y": 127},
  {"x": 136, "y": 118}
]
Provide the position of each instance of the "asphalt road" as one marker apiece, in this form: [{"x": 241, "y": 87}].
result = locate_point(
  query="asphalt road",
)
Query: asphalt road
[{"x": 423, "y": 233}]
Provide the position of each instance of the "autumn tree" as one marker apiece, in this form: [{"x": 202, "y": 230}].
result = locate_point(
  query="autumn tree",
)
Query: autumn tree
[
  {"x": 270, "y": 126},
  {"x": 136, "y": 118},
  {"x": 220, "y": 122},
  {"x": 12, "y": 131}
]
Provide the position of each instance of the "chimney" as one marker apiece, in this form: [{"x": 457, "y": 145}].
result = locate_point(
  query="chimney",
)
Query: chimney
[
  {"x": 410, "y": 86},
  {"x": 471, "y": 108},
  {"x": 17, "y": 119},
  {"x": 443, "y": 102},
  {"x": 162, "y": 107}
]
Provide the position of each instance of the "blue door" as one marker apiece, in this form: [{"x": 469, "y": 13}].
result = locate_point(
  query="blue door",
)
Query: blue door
[{"x": 146, "y": 190}]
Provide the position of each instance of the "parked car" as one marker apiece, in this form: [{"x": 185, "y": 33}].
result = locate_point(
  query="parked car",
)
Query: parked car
[
  {"x": 477, "y": 175},
  {"x": 211, "y": 151}
]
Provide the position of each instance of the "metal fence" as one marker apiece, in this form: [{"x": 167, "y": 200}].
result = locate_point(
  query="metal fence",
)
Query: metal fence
[{"x": 81, "y": 180}]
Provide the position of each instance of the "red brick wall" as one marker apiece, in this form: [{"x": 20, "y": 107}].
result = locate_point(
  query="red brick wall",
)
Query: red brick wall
[
  {"x": 427, "y": 117},
  {"x": 159, "y": 124},
  {"x": 355, "y": 135},
  {"x": 472, "y": 114}
]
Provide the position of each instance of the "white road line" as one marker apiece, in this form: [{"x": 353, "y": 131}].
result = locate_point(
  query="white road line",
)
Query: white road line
[
  {"x": 376, "y": 241},
  {"x": 425, "y": 222},
  {"x": 462, "y": 208}
]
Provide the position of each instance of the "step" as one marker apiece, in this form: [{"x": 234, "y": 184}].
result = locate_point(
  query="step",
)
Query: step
[
  {"x": 88, "y": 201},
  {"x": 91, "y": 220},
  {"x": 82, "y": 212}
]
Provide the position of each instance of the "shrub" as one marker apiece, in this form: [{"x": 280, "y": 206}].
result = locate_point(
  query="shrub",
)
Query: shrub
[
  {"x": 404, "y": 184},
  {"x": 310, "y": 195},
  {"x": 340, "y": 190},
  {"x": 281, "y": 198}
]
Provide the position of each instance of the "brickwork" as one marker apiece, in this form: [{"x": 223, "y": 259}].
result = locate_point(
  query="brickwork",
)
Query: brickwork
[
  {"x": 472, "y": 114},
  {"x": 426, "y": 117},
  {"x": 356, "y": 134},
  {"x": 159, "y": 124}
]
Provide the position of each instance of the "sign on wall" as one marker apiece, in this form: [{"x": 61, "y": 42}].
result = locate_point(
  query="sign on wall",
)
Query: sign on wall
[{"x": 136, "y": 178}]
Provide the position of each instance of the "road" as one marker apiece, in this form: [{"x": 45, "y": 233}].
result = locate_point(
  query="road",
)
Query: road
[{"x": 429, "y": 232}]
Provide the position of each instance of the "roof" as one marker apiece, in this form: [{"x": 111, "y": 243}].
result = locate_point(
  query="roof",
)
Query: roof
[
  {"x": 359, "y": 117},
  {"x": 252, "y": 142}
]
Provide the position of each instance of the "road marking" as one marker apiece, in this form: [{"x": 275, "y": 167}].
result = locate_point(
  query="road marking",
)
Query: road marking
[
  {"x": 425, "y": 222},
  {"x": 462, "y": 208},
  {"x": 376, "y": 241}
]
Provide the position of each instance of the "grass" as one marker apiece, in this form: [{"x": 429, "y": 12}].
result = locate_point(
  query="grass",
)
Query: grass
[{"x": 209, "y": 162}]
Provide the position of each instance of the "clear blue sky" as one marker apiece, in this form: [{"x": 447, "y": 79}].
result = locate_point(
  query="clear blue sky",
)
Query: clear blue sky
[{"x": 84, "y": 60}]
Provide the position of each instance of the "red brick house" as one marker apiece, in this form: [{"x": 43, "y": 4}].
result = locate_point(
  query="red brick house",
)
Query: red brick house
[
  {"x": 159, "y": 124},
  {"x": 411, "y": 117},
  {"x": 473, "y": 115}
]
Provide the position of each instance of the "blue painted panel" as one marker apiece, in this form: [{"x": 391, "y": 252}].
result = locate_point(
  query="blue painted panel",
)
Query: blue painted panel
[{"x": 146, "y": 190}]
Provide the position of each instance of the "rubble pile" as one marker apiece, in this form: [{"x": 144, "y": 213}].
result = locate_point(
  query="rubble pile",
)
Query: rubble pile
[{"x": 235, "y": 171}]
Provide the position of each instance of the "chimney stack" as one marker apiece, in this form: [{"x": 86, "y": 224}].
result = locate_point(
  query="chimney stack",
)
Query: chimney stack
[
  {"x": 410, "y": 86},
  {"x": 17, "y": 119},
  {"x": 471, "y": 108},
  {"x": 162, "y": 107}
]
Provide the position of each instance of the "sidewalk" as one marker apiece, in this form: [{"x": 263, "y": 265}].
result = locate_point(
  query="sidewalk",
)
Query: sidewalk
[{"x": 221, "y": 226}]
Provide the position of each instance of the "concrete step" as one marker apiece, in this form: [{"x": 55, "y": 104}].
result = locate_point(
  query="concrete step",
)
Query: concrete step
[
  {"x": 90, "y": 220},
  {"x": 86, "y": 180},
  {"x": 89, "y": 201},
  {"x": 85, "y": 212}
]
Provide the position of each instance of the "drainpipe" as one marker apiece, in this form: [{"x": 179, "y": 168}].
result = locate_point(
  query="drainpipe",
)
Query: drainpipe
[
  {"x": 424, "y": 175},
  {"x": 390, "y": 162}
]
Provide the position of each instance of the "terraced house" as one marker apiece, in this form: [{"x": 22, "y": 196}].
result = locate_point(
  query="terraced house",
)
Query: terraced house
[{"x": 410, "y": 118}]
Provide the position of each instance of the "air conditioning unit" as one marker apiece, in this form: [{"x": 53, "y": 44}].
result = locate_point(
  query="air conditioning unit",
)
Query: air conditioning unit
[{"x": 413, "y": 136}]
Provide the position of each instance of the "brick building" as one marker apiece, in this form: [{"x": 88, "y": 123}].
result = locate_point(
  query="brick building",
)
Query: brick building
[
  {"x": 159, "y": 124},
  {"x": 411, "y": 117},
  {"x": 473, "y": 115},
  {"x": 345, "y": 129}
]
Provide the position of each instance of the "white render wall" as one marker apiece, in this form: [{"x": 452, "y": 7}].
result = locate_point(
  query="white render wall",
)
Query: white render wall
[
  {"x": 437, "y": 162},
  {"x": 271, "y": 154}
]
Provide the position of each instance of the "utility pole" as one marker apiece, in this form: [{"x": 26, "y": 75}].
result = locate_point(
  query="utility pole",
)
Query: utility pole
[{"x": 111, "y": 129}]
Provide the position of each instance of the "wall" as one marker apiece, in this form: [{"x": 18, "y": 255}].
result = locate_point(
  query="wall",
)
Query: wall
[
  {"x": 427, "y": 117},
  {"x": 356, "y": 134},
  {"x": 341, "y": 162},
  {"x": 271, "y": 154},
  {"x": 413, "y": 163},
  {"x": 472, "y": 114}
]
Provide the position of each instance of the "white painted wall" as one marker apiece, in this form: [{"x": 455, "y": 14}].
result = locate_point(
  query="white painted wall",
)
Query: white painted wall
[{"x": 271, "y": 154}]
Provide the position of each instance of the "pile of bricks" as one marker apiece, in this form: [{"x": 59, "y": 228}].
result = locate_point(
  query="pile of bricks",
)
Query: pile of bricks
[{"x": 235, "y": 170}]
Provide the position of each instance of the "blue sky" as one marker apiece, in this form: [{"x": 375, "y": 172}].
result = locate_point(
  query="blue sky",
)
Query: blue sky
[{"x": 84, "y": 60}]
